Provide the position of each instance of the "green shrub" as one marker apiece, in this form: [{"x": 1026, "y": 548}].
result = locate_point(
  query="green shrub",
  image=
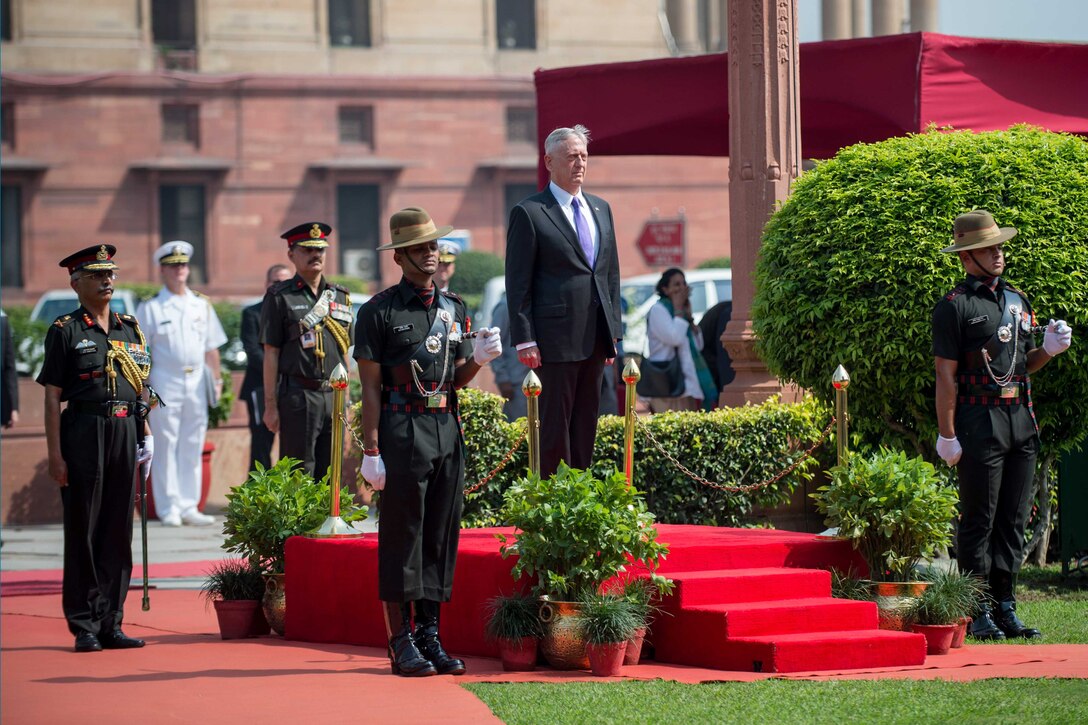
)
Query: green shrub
[
  {"x": 141, "y": 290},
  {"x": 232, "y": 579},
  {"x": 28, "y": 336},
  {"x": 513, "y": 617},
  {"x": 949, "y": 597},
  {"x": 715, "y": 263},
  {"x": 607, "y": 619},
  {"x": 353, "y": 285},
  {"x": 488, "y": 438},
  {"x": 895, "y": 509},
  {"x": 274, "y": 504},
  {"x": 473, "y": 271},
  {"x": 850, "y": 269}
]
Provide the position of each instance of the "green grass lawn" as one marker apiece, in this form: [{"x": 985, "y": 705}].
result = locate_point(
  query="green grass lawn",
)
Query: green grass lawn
[{"x": 1058, "y": 608}]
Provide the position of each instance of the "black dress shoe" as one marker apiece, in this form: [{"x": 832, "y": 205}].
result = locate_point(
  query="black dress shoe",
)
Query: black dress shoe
[
  {"x": 1011, "y": 625},
  {"x": 119, "y": 640},
  {"x": 87, "y": 642},
  {"x": 984, "y": 629}
]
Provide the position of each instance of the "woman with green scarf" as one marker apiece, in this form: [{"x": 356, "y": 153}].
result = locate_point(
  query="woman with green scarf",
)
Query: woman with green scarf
[{"x": 671, "y": 332}]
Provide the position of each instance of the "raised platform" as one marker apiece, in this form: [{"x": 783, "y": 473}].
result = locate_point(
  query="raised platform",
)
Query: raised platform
[{"x": 751, "y": 600}]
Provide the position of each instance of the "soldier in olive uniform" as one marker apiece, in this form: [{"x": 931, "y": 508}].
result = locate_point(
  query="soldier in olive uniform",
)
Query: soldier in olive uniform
[
  {"x": 96, "y": 361},
  {"x": 984, "y": 348},
  {"x": 306, "y": 331},
  {"x": 413, "y": 356}
]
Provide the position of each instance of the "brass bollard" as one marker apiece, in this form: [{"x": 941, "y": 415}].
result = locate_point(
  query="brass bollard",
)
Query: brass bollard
[
  {"x": 334, "y": 526},
  {"x": 531, "y": 388},
  {"x": 631, "y": 376},
  {"x": 840, "y": 380}
]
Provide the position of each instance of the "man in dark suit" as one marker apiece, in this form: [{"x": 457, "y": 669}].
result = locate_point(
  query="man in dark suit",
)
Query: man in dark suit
[
  {"x": 9, "y": 378},
  {"x": 563, "y": 291},
  {"x": 260, "y": 438}
]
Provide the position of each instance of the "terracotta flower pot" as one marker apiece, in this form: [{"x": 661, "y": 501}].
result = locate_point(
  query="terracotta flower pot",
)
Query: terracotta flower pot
[
  {"x": 518, "y": 655},
  {"x": 961, "y": 632},
  {"x": 634, "y": 647},
  {"x": 606, "y": 660},
  {"x": 236, "y": 617},
  {"x": 938, "y": 637},
  {"x": 894, "y": 600}
]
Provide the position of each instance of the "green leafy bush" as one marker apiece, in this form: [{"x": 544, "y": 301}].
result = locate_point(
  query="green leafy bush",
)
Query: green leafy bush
[
  {"x": 28, "y": 336},
  {"x": 715, "y": 263},
  {"x": 353, "y": 285},
  {"x": 220, "y": 412},
  {"x": 850, "y": 269},
  {"x": 473, "y": 271},
  {"x": 895, "y": 509},
  {"x": 575, "y": 531},
  {"x": 141, "y": 290},
  {"x": 274, "y": 504},
  {"x": 488, "y": 438}
]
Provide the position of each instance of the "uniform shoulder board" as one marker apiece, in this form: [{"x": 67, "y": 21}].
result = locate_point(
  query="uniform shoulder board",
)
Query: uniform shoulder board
[
  {"x": 956, "y": 292},
  {"x": 280, "y": 287},
  {"x": 385, "y": 293},
  {"x": 1017, "y": 290},
  {"x": 339, "y": 287},
  {"x": 62, "y": 320},
  {"x": 203, "y": 296},
  {"x": 130, "y": 319},
  {"x": 453, "y": 296}
]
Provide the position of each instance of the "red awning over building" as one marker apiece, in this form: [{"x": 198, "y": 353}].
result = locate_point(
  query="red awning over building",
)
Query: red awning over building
[{"x": 860, "y": 90}]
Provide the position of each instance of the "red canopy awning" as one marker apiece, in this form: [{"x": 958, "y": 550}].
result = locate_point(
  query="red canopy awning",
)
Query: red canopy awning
[{"x": 860, "y": 90}]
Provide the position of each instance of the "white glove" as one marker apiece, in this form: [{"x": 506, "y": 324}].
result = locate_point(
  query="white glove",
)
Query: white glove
[
  {"x": 373, "y": 470},
  {"x": 949, "y": 449},
  {"x": 145, "y": 452},
  {"x": 1057, "y": 338},
  {"x": 488, "y": 346}
]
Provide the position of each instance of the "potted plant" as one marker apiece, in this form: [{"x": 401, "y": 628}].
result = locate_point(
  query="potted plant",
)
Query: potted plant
[
  {"x": 942, "y": 609},
  {"x": 606, "y": 622},
  {"x": 514, "y": 622},
  {"x": 574, "y": 532},
  {"x": 235, "y": 587},
  {"x": 271, "y": 506},
  {"x": 896, "y": 511},
  {"x": 641, "y": 593}
]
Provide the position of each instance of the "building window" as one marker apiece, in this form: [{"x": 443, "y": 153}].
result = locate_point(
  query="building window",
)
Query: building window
[
  {"x": 173, "y": 30},
  {"x": 358, "y": 230},
  {"x": 181, "y": 124},
  {"x": 5, "y": 20},
  {"x": 515, "y": 23},
  {"x": 7, "y": 125},
  {"x": 11, "y": 243},
  {"x": 357, "y": 125},
  {"x": 349, "y": 23},
  {"x": 181, "y": 216},
  {"x": 521, "y": 125}
]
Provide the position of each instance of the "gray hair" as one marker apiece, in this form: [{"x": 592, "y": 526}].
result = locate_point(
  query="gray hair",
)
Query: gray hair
[{"x": 560, "y": 135}]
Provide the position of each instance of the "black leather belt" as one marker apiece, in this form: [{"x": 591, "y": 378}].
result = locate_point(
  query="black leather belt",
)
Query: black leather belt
[
  {"x": 1012, "y": 390},
  {"x": 297, "y": 381},
  {"x": 109, "y": 408}
]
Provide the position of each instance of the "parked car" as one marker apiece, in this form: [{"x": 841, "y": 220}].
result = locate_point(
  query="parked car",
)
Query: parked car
[
  {"x": 51, "y": 305},
  {"x": 708, "y": 288}
]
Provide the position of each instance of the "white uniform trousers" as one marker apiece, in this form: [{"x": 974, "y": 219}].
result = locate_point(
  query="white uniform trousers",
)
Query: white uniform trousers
[{"x": 179, "y": 429}]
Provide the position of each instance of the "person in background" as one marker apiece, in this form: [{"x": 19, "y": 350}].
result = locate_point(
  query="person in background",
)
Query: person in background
[
  {"x": 717, "y": 358},
  {"x": 448, "y": 249},
  {"x": 984, "y": 352},
  {"x": 182, "y": 328},
  {"x": 413, "y": 357},
  {"x": 306, "y": 331},
  {"x": 671, "y": 332},
  {"x": 509, "y": 372},
  {"x": 98, "y": 362},
  {"x": 563, "y": 292},
  {"x": 9, "y": 378},
  {"x": 260, "y": 438}
]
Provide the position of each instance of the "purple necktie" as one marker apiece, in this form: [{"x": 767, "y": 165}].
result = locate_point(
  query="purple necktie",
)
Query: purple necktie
[{"x": 584, "y": 237}]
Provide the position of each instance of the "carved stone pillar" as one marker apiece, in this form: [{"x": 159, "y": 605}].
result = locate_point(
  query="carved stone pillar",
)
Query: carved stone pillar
[
  {"x": 924, "y": 16},
  {"x": 837, "y": 19},
  {"x": 887, "y": 17},
  {"x": 765, "y": 156}
]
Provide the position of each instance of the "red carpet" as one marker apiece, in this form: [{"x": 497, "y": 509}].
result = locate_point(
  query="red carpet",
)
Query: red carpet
[
  {"x": 746, "y": 600},
  {"x": 188, "y": 674}
]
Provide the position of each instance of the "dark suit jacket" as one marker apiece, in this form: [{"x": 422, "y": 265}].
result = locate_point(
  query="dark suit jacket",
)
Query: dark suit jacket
[
  {"x": 251, "y": 343},
  {"x": 554, "y": 297},
  {"x": 9, "y": 393}
]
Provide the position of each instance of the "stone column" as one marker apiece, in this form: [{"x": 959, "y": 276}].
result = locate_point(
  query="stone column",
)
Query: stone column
[
  {"x": 887, "y": 17},
  {"x": 684, "y": 22},
  {"x": 860, "y": 19},
  {"x": 836, "y": 20},
  {"x": 765, "y": 156},
  {"x": 924, "y": 16}
]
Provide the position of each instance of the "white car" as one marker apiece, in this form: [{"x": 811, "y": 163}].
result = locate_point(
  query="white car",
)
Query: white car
[
  {"x": 708, "y": 288},
  {"x": 51, "y": 305}
]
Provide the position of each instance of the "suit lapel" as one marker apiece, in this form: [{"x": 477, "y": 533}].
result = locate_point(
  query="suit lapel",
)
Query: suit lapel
[
  {"x": 603, "y": 232},
  {"x": 555, "y": 213}
]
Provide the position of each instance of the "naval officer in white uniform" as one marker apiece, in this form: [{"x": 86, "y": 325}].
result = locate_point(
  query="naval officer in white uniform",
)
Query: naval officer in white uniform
[{"x": 183, "y": 330}]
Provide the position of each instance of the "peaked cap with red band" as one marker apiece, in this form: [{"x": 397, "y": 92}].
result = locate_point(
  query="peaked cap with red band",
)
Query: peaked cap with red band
[
  {"x": 311, "y": 234},
  {"x": 93, "y": 259}
]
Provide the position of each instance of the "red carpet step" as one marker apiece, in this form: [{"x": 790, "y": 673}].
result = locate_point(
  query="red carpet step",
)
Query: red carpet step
[{"x": 746, "y": 599}]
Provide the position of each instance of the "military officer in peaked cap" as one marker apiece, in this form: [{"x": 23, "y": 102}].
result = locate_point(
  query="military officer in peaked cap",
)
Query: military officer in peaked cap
[
  {"x": 448, "y": 249},
  {"x": 413, "y": 350},
  {"x": 183, "y": 328},
  {"x": 306, "y": 331},
  {"x": 97, "y": 361},
  {"x": 984, "y": 349}
]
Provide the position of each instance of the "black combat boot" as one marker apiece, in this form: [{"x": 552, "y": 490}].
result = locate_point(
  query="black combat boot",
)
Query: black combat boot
[
  {"x": 1010, "y": 624},
  {"x": 404, "y": 656},
  {"x": 983, "y": 627},
  {"x": 426, "y": 636}
]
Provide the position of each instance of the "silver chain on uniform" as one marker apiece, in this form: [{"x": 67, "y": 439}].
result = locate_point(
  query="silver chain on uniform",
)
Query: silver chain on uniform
[
  {"x": 417, "y": 370},
  {"x": 1003, "y": 380}
]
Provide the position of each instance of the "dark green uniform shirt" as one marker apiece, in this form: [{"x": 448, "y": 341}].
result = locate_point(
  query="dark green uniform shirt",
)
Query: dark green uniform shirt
[
  {"x": 285, "y": 304},
  {"x": 75, "y": 356},
  {"x": 393, "y": 324},
  {"x": 968, "y": 316}
]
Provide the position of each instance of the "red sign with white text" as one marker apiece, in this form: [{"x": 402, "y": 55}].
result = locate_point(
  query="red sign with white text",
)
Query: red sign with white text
[{"x": 662, "y": 243}]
